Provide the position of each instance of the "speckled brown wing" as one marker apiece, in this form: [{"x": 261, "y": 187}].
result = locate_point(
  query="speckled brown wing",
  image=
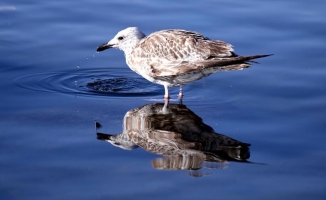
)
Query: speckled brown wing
[
  {"x": 181, "y": 45},
  {"x": 175, "y": 68}
]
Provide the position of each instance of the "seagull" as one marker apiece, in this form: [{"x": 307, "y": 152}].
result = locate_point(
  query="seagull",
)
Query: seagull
[{"x": 175, "y": 57}]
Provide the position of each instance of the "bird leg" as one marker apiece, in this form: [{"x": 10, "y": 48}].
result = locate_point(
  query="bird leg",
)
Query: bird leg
[
  {"x": 180, "y": 92},
  {"x": 167, "y": 94}
]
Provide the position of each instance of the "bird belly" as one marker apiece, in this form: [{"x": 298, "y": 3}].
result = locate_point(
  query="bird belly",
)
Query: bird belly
[{"x": 184, "y": 78}]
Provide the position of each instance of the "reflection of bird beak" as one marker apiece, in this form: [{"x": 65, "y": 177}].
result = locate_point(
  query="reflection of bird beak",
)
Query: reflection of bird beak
[
  {"x": 102, "y": 47},
  {"x": 103, "y": 136}
]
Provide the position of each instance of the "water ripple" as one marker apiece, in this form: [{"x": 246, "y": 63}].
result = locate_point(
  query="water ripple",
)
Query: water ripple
[{"x": 87, "y": 82}]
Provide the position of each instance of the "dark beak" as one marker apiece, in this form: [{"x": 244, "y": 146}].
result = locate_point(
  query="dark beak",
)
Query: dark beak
[{"x": 102, "y": 47}]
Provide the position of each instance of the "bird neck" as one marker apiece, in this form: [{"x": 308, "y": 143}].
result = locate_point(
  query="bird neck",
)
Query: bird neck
[{"x": 128, "y": 46}]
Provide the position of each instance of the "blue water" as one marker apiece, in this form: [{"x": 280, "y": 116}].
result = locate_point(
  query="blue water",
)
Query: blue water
[{"x": 49, "y": 148}]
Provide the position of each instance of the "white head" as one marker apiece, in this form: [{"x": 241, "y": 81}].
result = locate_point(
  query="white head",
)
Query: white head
[{"x": 124, "y": 40}]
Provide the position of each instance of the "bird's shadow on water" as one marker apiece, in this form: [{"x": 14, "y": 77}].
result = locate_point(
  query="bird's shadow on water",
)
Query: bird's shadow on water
[{"x": 179, "y": 135}]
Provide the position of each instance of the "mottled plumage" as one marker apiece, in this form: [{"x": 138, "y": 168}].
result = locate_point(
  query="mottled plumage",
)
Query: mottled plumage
[
  {"x": 175, "y": 57},
  {"x": 173, "y": 130}
]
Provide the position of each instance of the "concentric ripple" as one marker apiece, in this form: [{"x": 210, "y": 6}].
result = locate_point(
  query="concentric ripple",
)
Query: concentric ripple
[{"x": 94, "y": 82}]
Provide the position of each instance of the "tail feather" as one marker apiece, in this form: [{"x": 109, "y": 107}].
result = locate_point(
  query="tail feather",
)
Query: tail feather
[
  {"x": 234, "y": 60},
  {"x": 247, "y": 58}
]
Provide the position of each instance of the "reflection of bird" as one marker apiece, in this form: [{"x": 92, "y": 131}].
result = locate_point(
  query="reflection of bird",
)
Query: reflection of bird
[
  {"x": 175, "y": 57},
  {"x": 177, "y": 133}
]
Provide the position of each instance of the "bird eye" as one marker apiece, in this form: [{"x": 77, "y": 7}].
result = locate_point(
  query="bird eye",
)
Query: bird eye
[{"x": 120, "y": 38}]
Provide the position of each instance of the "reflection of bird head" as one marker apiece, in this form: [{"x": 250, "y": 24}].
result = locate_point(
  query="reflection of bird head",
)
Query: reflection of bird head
[{"x": 117, "y": 140}]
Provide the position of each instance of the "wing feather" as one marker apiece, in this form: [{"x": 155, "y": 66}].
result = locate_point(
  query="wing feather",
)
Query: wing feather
[{"x": 182, "y": 45}]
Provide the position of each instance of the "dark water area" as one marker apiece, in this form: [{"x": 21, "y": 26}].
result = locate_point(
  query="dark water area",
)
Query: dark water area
[{"x": 55, "y": 86}]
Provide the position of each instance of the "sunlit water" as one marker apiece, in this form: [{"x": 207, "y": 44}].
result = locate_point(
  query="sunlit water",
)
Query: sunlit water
[{"x": 54, "y": 86}]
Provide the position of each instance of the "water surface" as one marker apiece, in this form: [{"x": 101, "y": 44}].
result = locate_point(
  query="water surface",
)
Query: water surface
[{"x": 48, "y": 63}]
